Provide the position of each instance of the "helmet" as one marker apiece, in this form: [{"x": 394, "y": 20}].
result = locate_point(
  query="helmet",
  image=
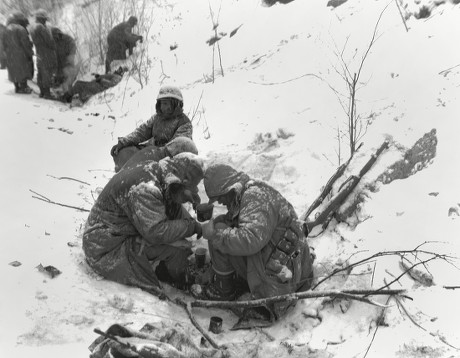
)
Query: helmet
[
  {"x": 170, "y": 92},
  {"x": 41, "y": 14}
]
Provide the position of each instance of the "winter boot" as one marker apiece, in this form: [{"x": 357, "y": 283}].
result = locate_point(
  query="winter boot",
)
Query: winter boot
[
  {"x": 16, "y": 87},
  {"x": 46, "y": 94},
  {"x": 23, "y": 88},
  {"x": 221, "y": 287}
]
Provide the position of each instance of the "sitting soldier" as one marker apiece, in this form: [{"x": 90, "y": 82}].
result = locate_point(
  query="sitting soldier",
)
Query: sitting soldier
[
  {"x": 259, "y": 240},
  {"x": 152, "y": 153},
  {"x": 139, "y": 222},
  {"x": 167, "y": 123}
]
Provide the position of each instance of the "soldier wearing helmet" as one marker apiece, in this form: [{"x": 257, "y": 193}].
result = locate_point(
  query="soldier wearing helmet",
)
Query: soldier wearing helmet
[
  {"x": 46, "y": 53},
  {"x": 19, "y": 51},
  {"x": 168, "y": 123},
  {"x": 120, "y": 39}
]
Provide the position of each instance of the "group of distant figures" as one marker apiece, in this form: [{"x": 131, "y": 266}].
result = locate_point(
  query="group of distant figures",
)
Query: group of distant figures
[{"x": 55, "y": 53}]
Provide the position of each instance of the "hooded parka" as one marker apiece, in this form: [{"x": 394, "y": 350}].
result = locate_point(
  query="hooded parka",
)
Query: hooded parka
[
  {"x": 120, "y": 39},
  {"x": 134, "y": 221},
  {"x": 160, "y": 129},
  {"x": 18, "y": 49},
  {"x": 46, "y": 51},
  {"x": 66, "y": 50},
  {"x": 263, "y": 242},
  {"x": 172, "y": 148}
]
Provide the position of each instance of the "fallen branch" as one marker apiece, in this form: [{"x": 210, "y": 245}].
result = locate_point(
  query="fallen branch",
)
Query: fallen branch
[
  {"x": 47, "y": 200},
  {"x": 377, "y": 325},
  {"x": 402, "y": 17},
  {"x": 188, "y": 307},
  {"x": 436, "y": 335},
  {"x": 451, "y": 287},
  {"x": 68, "y": 178},
  {"x": 287, "y": 81},
  {"x": 344, "y": 191},
  {"x": 291, "y": 297},
  {"x": 448, "y": 69},
  {"x": 416, "y": 251},
  {"x": 327, "y": 188}
]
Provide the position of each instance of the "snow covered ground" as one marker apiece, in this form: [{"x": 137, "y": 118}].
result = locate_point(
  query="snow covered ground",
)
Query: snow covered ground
[{"x": 270, "y": 89}]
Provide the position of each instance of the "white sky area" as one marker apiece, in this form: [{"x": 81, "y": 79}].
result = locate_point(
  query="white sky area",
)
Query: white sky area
[{"x": 270, "y": 82}]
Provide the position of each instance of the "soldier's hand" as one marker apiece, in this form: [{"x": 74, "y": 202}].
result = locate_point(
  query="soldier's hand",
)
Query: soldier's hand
[
  {"x": 209, "y": 230},
  {"x": 198, "y": 230},
  {"x": 141, "y": 38}
]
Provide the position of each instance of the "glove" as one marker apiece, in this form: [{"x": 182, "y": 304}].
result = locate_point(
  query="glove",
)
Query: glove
[
  {"x": 194, "y": 227},
  {"x": 198, "y": 230},
  {"x": 141, "y": 38},
  {"x": 208, "y": 230}
]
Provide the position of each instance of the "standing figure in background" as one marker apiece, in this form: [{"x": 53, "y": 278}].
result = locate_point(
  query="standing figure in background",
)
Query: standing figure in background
[
  {"x": 120, "y": 39},
  {"x": 46, "y": 53},
  {"x": 2, "y": 49},
  {"x": 19, "y": 52},
  {"x": 168, "y": 123},
  {"x": 66, "y": 50}
]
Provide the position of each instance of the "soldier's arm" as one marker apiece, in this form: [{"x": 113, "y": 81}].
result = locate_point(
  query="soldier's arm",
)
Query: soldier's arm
[
  {"x": 185, "y": 128},
  {"x": 257, "y": 222},
  {"x": 147, "y": 211},
  {"x": 140, "y": 134}
]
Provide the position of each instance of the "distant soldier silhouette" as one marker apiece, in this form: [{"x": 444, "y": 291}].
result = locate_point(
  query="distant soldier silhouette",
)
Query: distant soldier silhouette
[
  {"x": 120, "y": 39},
  {"x": 19, "y": 52}
]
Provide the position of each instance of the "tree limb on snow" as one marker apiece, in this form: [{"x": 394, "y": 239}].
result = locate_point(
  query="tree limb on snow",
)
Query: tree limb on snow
[
  {"x": 351, "y": 294},
  {"x": 188, "y": 307},
  {"x": 47, "y": 200},
  {"x": 344, "y": 191}
]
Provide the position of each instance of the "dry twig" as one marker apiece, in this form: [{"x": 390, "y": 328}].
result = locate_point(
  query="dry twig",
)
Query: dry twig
[
  {"x": 68, "y": 178},
  {"x": 188, "y": 307},
  {"x": 47, "y": 200}
]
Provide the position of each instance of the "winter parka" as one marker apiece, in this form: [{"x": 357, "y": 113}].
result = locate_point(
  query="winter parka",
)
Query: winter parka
[
  {"x": 2, "y": 49},
  {"x": 120, "y": 39},
  {"x": 160, "y": 129},
  {"x": 65, "y": 50},
  {"x": 19, "y": 51},
  {"x": 263, "y": 227},
  {"x": 133, "y": 212},
  {"x": 46, "y": 54}
]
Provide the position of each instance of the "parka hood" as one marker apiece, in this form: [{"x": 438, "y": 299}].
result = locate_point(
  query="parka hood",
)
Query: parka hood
[
  {"x": 219, "y": 179},
  {"x": 18, "y": 18},
  {"x": 185, "y": 168}
]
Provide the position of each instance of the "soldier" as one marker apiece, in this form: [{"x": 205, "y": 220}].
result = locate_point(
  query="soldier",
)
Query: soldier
[
  {"x": 66, "y": 50},
  {"x": 84, "y": 90},
  {"x": 46, "y": 53},
  {"x": 171, "y": 149},
  {"x": 258, "y": 240},
  {"x": 19, "y": 52},
  {"x": 168, "y": 123},
  {"x": 138, "y": 221},
  {"x": 120, "y": 39}
]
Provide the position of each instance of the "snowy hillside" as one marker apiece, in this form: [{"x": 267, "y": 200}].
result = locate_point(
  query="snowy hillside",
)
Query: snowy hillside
[{"x": 269, "y": 105}]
